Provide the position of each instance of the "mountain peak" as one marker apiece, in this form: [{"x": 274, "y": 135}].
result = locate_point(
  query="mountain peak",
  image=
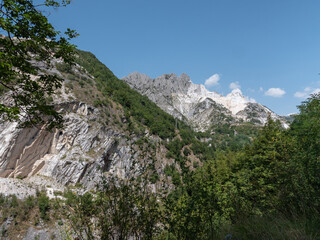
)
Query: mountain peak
[
  {"x": 185, "y": 77},
  {"x": 235, "y": 93},
  {"x": 138, "y": 76}
]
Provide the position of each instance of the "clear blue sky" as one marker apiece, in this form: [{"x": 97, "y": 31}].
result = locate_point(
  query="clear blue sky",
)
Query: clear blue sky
[{"x": 258, "y": 44}]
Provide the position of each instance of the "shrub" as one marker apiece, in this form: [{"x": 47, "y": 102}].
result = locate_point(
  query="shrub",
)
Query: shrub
[{"x": 44, "y": 206}]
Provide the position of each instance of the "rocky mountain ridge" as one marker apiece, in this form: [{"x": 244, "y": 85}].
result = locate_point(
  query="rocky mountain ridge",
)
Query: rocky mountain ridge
[{"x": 178, "y": 96}]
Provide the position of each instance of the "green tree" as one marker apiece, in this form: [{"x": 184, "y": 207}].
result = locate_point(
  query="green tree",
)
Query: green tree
[
  {"x": 197, "y": 209},
  {"x": 29, "y": 48},
  {"x": 127, "y": 209},
  {"x": 44, "y": 206},
  {"x": 263, "y": 173},
  {"x": 80, "y": 211},
  {"x": 121, "y": 209},
  {"x": 306, "y": 161}
]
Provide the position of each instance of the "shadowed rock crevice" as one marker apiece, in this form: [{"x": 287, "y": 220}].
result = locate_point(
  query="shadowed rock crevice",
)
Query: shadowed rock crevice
[
  {"x": 84, "y": 171},
  {"x": 108, "y": 155}
]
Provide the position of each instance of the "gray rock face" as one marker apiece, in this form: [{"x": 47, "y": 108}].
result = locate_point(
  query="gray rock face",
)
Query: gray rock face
[
  {"x": 164, "y": 85},
  {"x": 178, "y": 96},
  {"x": 5, "y": 226},
  {"x": 45, "y": 233},
  {"x": 256, "y": 113},
  {"x": 161, "y": 89},
  {"x": 79, "y": 153}
]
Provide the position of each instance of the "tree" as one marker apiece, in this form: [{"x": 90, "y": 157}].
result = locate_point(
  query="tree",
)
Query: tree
[
  {"x": 263, "y": 175},
  {"x": 306, "y": 130},
  {"x": 30, "y": 46},
  {"x": 120, "y": 209}
]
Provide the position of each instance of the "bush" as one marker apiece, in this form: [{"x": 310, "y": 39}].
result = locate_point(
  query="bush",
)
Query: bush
[
  {"x": 63, "y": 67},
  {"x": 44, "y": 206},
  {"x": 154, "y": 177}
]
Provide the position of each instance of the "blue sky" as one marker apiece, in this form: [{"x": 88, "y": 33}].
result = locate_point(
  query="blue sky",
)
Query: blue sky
[{"x": 270, "y": 48}]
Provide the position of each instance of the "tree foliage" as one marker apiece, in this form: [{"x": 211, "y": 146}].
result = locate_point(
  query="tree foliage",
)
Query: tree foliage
[
  {"x": 305, "y": 129},
  {"x": 277, "y": 176},
  {"x": 30, "y": 46},
  {"x": 121, "y": 210}
]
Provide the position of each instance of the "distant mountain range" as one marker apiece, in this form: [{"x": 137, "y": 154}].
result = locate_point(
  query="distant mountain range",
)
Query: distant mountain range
[{"x": 201, "y": 108}]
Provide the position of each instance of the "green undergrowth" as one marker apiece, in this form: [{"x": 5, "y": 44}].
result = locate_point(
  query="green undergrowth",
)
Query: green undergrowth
[
  {"x": 18, "y": 215},
  {"x": 273, "y": 227}
]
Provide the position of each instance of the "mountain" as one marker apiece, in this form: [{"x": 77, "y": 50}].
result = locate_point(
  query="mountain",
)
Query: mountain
[
  {"x": 123, "y": 128},
  {"x": 111, "y": 129},
  {"x": 184, "y": 100},
  {"x": 102, "y": 136}
]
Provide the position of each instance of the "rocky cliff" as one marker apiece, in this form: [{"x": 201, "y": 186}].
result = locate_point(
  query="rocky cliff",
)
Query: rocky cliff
[
  {"x": 93, "y": 142},
  {"x": 71, "y": 155}
]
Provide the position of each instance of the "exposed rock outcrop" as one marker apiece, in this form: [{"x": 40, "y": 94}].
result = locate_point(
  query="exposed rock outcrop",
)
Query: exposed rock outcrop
[{"x": 79, "y": 153}]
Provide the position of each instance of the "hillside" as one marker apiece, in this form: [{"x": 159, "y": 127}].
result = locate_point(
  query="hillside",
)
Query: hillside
[{"x": 99, "y": 136}]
